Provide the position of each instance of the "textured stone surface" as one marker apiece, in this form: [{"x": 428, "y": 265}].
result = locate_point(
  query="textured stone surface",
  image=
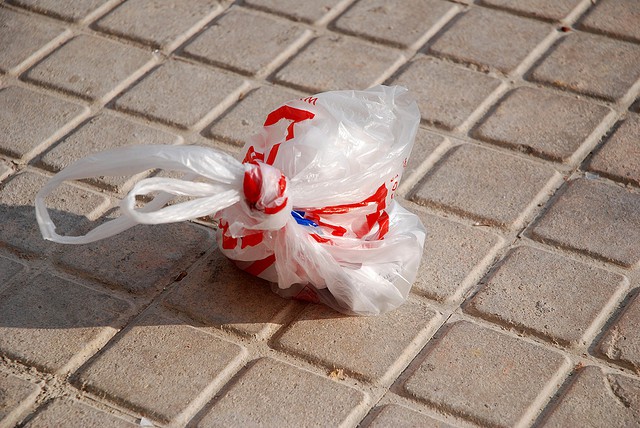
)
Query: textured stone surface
[
  {"x": 455, "y": 256},
  {"x": 300, "y": 10},
  {"x": 49, "y": 320},
  {"x": 8, "y": 268},
  {"x": 5, "y": 169},
  {"x": 375, "y": 348},
  {"x": 267, "y": 395},
  {"x": 13, "y": 391},
  {"x": 619, "y": 158},
  {"x": 335, "y": 63},
  {"x": 609, "y": 213},
  {"x": 446, "y": 94},
  {"x": 103, "y": 132},
  {"x": 546, "y": 9},
  {"x": 403, "y": 24},
  {"x": 538, "y": 292},
  {"x": 70, "y": 10},
  {"x": 155, "y": 23},
  {"x": 21, "y": 36},
  {"x": 591, "y": 65},
  {"x": 424, "y": 145},
  {"x": 491, "y": 39},
  {"x": 159, "y": 366},
  {"x": 618, "y": 18},
  {"x": 77, "y": 414},
  {"x": 178, "y": 93},
  {"x": 399, "y": 416},
  {"x": 484, "y": 185},
  {"x": 88, "y": 67},
  {"x": 621, "y": 342},
  {"x": 247, "y": 117},
  {"x": 542, "y": 123},
  {"x": 244, "y": 41},
  {"x": 483, "y": 375},
  {"x": 595, "y": 399},
  {"x": 28, "y": 119}
]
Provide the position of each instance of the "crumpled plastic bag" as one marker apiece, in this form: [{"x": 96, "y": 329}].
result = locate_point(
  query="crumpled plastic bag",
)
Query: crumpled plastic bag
[{"x": 311, "y": 207}]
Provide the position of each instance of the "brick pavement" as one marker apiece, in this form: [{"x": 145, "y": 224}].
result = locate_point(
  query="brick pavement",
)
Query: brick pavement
[{"x": 526, "y": 172}]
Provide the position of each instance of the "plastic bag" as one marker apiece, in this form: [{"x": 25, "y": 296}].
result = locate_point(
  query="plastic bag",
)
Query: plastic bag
[{"x": 311, "y": 208}]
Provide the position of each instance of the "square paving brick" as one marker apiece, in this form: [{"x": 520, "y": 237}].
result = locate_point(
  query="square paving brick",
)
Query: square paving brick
[
  {"x": 403, "y": 24},
  {"x": 592, "y": 215},
  {"x": 159, "y": 366},
  {"x": 70, "y": 10},
  {"x": 455, "y": 257},
  {"x": 398, "y": 416},
  {"x": 591, "y": 65},
  {"x": 28, "y": 119},
  {"x": 69, "y": 207},
  {"x": 141, "y": 259},
  {"x": 247, "y": 117},
  {"x": 489, "y": 38},
  {"x": 485, "y": 186},
  {"x": 482, "y": 375},
  {"x": 103, "y": 132},
  {"x": 542, "y": 123},
  {"x": 48, "y": 321},
  {"x": 545, "y": 9},
  {"x": 8, "y": 269},
  {"x": 155, "y": 23},
  {"x": 446, "y": 94},
  {"x": 21, "y": 36},
  {"x": 222, "y": 296},
  {"x": 13, "y": 391},
  {"x": 424, "y": 145},
  {"x": 336, "y": 63},
  {"x": 621, "y": 342},
  {"x": 617, "y": 18},
  {"x": 619, "y": 158},
  {"x": 375, "y": 348},
  {"x": 88, "y": 67},
  {"x": 597, "y": 400},
  {"x": 300, "y": 10},
  {"x": 553, "y": 297},
  {"x": 273, "y": 393},
  {"x": 180, "y": 94},
  {"x": 66, "y": 411},
  {"x": 245, "y": 41}
]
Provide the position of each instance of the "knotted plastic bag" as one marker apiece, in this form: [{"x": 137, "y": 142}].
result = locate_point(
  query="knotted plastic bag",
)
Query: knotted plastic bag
[{"x": 311, "y": 207}]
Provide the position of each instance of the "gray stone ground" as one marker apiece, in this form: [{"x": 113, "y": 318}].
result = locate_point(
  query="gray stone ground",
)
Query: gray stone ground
[{"x": 526, "y": 172}]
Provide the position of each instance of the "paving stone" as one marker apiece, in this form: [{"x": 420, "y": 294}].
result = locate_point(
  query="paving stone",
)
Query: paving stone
[
  {"x": 300, "y": 10},
  {"x": 621, "y": 342},
  {"x": 13, "y": 391},
  {"x": 70, "y": 10},
  {"x": 21, "y": 36},
  {"x": 545, "y": 9},
  {"x": 159, "y": 366},
  {"x": 48, "y": 321},
  {"x": 425, "y": 144},
  {"x": 595, "y": 399},
  {"x": 247, "y": 117},
  {"x": 485, "y": 185},
  {"x": 399, "y": 416},
  {"x": 617, "y": 18},
  {"x": 69, "y": 207},
  {"x": 5, "y": 169},
  {"x": 75, "y": 414},
  {"x": 245, "y": 41},
  {"x": 155, "y": 23},
  {"x": 88, "y": 67},
  {"x": 178, "y": 93},
  {"x": 402, "y": 24},
  {"x": 591, "y": 65},
  {"x": 8, "y": 269},
  {"x": 619, "y": 158},
  {"x": 220, "y": 295},
  {"x": 375, "y": 348},
  {"x": 336, "y": 63},
  {"x": 540, "y": 293},
  {"x": 455, "y": 257},
  {"x": 489, "y": 38},
  {"x": 103, "y": 132},
  {"x": 273, "y": 393},
  {"x": 482, "y": 375},
  {"x": 590, "y": 216},
  {"x": 446, "y": 94},
  {"x": 28, "y": 119},
  {"x": 542, "y": 123}
]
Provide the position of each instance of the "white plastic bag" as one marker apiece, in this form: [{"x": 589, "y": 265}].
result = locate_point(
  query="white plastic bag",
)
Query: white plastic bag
[{"x": 311, "y": 207}]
